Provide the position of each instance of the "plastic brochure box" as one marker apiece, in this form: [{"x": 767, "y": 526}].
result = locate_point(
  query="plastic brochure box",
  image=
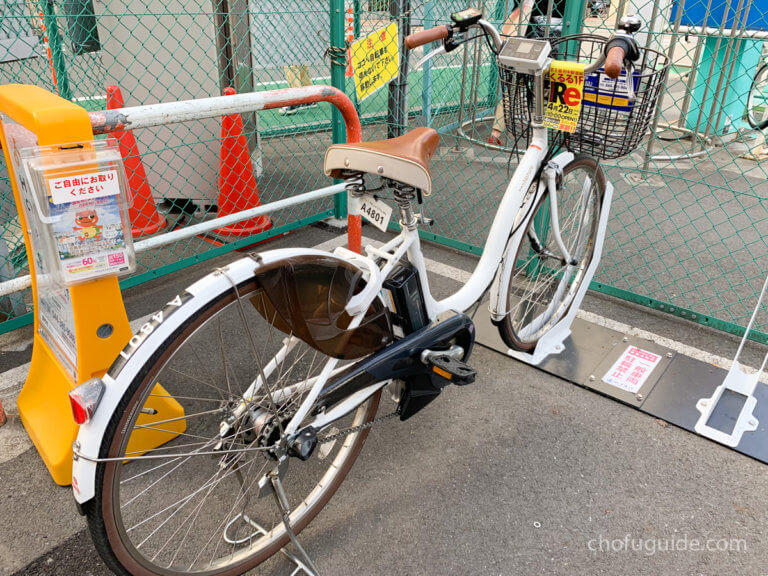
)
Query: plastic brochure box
[{"x": 76, "y": 206}]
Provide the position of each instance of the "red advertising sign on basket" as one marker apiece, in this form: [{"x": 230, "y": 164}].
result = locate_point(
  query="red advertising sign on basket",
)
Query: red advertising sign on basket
[{"x": 632, "y": 369}]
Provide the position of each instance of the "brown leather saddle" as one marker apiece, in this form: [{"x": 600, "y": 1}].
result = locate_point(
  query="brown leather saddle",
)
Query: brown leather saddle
[{"x": 404, "y": 159}]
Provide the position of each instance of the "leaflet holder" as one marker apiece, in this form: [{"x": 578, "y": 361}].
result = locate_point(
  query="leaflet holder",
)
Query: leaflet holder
[{"x": 70, "y": 196}]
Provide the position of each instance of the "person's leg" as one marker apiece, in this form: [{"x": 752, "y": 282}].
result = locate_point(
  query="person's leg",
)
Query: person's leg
[
  {"x": 511, "y": 27},
  {"x": 293, "y": 75},
  {"x": 498, "y": 125},
  {"x": 297, "y": 76}
]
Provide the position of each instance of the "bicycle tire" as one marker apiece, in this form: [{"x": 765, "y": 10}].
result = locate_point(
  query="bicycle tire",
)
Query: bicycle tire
[
  {"x": 759, "y": 84},
  {"x": 104, "y": 519},
  {"x": 533, "y": 306}
]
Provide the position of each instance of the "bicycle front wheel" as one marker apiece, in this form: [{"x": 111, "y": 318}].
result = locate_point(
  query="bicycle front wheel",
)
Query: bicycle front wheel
[
  {"x": 197, "y": 504},
  {"x": 542, "y": 284},
  {"x": 757, "y": 103}
]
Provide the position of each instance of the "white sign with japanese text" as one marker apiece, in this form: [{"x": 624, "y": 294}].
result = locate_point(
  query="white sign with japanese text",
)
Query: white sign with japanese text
[
  {"x": 632, "y": 369},
  {"x": 84, "y": 187}
]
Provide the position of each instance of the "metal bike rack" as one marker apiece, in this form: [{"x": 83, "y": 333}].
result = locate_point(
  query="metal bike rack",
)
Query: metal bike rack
[
  {"x": 737, "y": 34},
  {"x": 737, "y": 383},
  {"x": 553, "y": 342},
  {"x": 107, "y": 121}
]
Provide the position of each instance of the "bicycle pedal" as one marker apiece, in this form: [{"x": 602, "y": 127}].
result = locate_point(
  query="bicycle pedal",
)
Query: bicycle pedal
[{"x": 452, "y": 369}]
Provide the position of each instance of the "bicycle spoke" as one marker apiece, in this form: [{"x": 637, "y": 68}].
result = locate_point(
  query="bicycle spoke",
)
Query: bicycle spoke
[
  {"x": 189, "y": 377},
  {"x": 181, "y": 504},
  {"x": 185, "y": 417},
  {"x": 177, "y": 397},
  {"x": 164, "y": 476},
  {"x": 182, "y": 513},
  {"x": 239, "y": 498}
]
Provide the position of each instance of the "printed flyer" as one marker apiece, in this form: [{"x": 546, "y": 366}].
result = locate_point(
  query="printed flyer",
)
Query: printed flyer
[{"x": 89, "y": 238}]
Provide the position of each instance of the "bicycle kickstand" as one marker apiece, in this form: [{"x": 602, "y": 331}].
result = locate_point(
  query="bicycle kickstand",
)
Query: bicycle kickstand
[{"x": 306, "y": 566}]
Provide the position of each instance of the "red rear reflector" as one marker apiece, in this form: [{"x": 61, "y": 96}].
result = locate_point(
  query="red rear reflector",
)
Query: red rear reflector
[
  {"x": 79, "y": 411},
  {"x": 85, "y": 399}
]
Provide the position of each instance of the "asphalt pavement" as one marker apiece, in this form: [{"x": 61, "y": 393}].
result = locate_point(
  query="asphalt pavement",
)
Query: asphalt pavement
[{"x": 519, "y": 473}]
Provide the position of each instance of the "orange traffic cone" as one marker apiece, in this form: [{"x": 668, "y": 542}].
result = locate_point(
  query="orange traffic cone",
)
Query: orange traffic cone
[
  {"x": 237, "y": 182},
  {"x": 145, "y": 219}
]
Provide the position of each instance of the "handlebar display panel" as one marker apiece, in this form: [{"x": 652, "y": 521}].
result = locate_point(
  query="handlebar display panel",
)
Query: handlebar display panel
[
  {"x": 524, "y": 54},
  {"x": 466, "y": 18}
]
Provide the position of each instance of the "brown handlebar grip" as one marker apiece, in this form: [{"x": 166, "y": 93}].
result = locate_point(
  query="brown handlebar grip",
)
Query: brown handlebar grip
[
  {"x": 427, "y": 36},
  {"x": 614, "y": 62}
]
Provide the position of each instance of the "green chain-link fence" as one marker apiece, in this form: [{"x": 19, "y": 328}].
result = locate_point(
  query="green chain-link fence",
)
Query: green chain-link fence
[
  {"x": 687, "y": 234},
  {"x": 159, "y": 51}
]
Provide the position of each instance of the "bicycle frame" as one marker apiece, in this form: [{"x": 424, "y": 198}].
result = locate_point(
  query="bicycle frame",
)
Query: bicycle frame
[
  {"x": 510, "y": 210},
  {"x": 494, "y": 267},
  {"x": 505, "y": 233}
]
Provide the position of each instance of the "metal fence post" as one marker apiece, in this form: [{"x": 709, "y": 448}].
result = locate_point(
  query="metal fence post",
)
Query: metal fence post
[
  {"x": 338, "y": 81},
  {"x": 573, "y": 18},
  {"x": 397, "y": 102},
  {"x": 426, "y": 79},
  {"x": 57, "y": 53},
  {"x": 356, "y": 8}
]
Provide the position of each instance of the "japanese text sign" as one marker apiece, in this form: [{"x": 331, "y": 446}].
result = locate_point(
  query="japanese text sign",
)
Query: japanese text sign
[
  {"x": 375, "y": 60},
  {"x": 84, "y": 187},
  {"x": 632, "y": 369}
]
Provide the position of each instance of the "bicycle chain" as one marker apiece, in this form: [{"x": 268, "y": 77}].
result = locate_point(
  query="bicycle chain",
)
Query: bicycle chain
[{"x": 358, "y": 428}]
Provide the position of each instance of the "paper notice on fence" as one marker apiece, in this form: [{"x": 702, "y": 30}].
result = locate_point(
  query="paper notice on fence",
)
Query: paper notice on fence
[
  {"x": 566, "y": 93},
  {"x": 632, "y": 369},
  {"x": 375, "y": 60}
]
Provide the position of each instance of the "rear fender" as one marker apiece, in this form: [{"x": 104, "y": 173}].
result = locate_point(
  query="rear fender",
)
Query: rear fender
[{"x": 163, "y": 325}]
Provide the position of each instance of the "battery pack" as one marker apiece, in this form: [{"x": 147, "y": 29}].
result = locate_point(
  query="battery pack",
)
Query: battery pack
[{"x": 406, "y": 302}]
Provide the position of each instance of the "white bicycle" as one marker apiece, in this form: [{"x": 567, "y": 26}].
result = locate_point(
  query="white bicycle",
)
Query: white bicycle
[{"x": 280, "y": 358}]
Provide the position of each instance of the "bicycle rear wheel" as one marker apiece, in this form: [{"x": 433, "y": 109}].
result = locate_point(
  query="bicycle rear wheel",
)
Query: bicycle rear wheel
[
  {"x": 757, "y": 103},
  {"x": 542, "y": 285},
  {"x": 181, "y": 512}
]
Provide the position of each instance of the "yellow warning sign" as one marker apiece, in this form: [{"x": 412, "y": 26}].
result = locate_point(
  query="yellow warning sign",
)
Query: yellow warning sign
[
  {"x": 566, "y": 93},
  {"x": 375, "y": 60}
]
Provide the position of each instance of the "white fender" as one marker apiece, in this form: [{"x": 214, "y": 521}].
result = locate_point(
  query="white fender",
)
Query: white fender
[
  {"x": 147, "y": 338},
  {"x": 500, "y": 287}
]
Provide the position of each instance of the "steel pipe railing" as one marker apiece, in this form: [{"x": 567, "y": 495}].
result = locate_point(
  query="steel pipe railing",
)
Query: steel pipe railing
[{"x": 146, "y": 116}]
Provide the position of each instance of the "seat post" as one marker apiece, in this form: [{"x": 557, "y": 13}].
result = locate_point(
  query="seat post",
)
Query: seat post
[{"x": 403, "y": 197}]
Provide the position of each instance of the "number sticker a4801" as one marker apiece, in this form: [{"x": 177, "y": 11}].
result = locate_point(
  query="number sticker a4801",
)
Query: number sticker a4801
[{"x": 375, "y": 211}]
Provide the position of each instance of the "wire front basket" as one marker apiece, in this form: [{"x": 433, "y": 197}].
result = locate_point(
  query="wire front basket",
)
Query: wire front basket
[{"x": 610, "y": 125}]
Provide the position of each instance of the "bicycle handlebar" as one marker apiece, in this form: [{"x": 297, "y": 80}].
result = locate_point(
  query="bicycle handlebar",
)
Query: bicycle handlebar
[
  {"x": 614, "y": 57},
  {"x": 429, "y": 35},
  {"x": 614, "y": 61}
]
